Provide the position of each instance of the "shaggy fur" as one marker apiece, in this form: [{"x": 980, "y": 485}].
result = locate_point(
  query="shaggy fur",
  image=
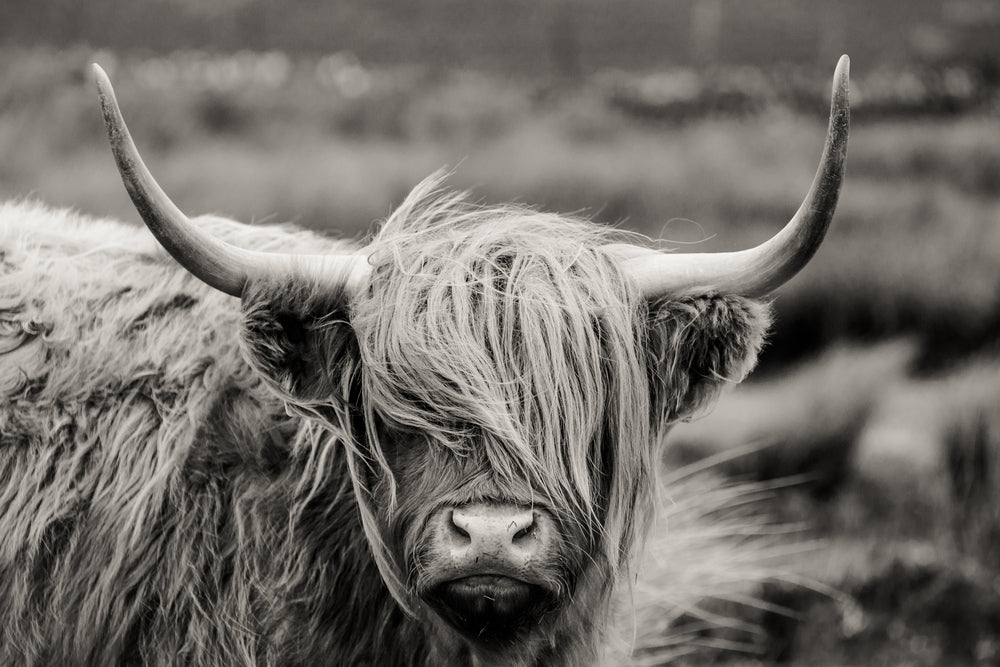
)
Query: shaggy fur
[{"x": 183, "y": 479}]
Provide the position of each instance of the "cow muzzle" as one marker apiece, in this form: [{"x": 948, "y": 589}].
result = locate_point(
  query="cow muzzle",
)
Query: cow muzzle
[{"x": 492, "y": 568}]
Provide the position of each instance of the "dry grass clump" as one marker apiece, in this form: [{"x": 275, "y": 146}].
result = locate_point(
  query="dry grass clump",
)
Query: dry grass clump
[{"x": 698, "y": 591}]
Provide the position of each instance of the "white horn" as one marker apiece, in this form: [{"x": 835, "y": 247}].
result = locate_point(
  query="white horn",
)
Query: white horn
[
  {"x": 760, "y": 270},
  {"x": 223, "y": 266}
]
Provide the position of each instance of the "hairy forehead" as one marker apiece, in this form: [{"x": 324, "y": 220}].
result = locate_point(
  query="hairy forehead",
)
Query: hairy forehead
[{"x": 506, "y": 316}]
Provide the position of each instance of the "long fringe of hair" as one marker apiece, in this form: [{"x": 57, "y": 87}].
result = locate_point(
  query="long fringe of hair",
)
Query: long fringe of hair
[{"x": 507, "y": 334}]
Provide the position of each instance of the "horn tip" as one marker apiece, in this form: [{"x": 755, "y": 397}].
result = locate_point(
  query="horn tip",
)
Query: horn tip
[
  {"x": 100, "y": 76},
  {"x": 841, "y": 87},
  {"x": 104, "y": 88},
  {"x": 843, "y": 72}
]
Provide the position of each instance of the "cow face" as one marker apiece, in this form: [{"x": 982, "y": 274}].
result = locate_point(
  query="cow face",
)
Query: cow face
[
  {"x": 489, "y": 556},
  {"x": 500, "y": 387}
]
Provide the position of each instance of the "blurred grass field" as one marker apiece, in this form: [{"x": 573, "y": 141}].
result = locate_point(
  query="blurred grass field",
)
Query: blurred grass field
[{"x": 879, "y": 394}]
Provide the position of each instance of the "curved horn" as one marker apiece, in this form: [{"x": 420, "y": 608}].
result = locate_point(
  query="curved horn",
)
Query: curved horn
[
  {"x": 225, "y": 267},
  {"x": 760, "y": 270}
]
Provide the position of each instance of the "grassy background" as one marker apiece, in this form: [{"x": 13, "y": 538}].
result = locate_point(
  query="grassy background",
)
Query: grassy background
[
  {"x": 877, "y": 398},
  {"x": 525, "y": 36}
]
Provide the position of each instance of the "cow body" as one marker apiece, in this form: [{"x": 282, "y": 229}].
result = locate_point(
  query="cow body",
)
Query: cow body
[
  {"x": 152, "y": 487},
  {"x": 180, "y": 471}
]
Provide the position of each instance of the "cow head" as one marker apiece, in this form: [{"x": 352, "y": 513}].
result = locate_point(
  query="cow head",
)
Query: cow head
[{"x": 499, "y": 378}]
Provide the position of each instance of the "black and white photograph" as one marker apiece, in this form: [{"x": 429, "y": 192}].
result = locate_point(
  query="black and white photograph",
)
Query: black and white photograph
[{"x": 506, "y": 333}]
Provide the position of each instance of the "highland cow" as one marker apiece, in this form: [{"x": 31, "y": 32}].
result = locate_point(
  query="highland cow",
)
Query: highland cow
[{"x": 436, "y": 448}]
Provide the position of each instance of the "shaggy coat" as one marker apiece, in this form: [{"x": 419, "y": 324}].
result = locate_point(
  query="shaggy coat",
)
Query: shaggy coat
[{"x": 188, "y": 478}]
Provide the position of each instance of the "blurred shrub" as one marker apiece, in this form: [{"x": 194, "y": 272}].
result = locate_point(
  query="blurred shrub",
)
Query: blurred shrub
[
  {"x": 802, "y": 426},
  {"x": 906, "y": 605},
  {"x": 972, "y": 454},
  {"x": 683, "y": 95},
  {"x": 902, "y": 258},
  {"x": 464, "y": 106},
  {"x": 934, "y": 613},
  {"x": 218, "y": 114},
  {"x": 922, "y": 150}
]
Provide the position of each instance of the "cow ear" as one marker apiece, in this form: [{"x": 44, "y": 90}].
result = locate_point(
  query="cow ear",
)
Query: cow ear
[
  {"x": 301, "y": 341},
  {"x": 696, "y": 345}
]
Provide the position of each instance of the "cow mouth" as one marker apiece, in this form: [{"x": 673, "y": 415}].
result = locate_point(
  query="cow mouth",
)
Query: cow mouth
[{"x": 490, "y": 608}]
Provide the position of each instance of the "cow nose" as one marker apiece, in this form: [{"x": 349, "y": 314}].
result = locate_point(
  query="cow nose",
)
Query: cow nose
[
  {"x": 493, "y": 553},
  {"x": 502, "y": 530}
]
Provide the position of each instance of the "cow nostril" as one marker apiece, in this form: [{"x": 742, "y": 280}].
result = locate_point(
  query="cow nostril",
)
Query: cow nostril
[
  {"x": 524, "y": 530},
  {"x": 459, "y": 525}
]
